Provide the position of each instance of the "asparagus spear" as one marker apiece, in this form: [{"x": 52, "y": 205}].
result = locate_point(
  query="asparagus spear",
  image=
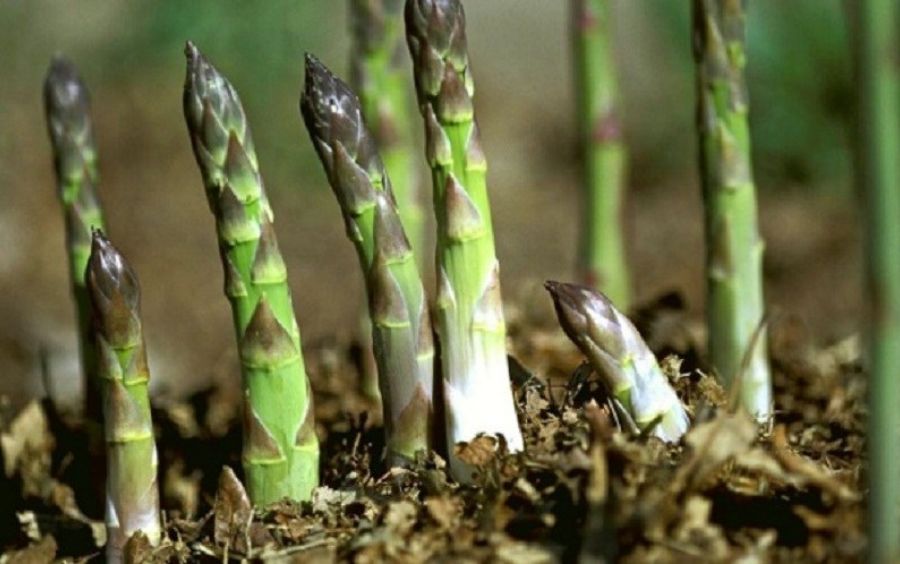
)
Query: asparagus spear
[
  {"x": 67, "y": 107},
  {"x": 132, "y": 495},
  {"x": 733, "y": 247},
  {"x": 621, "y": 357},
  {"x": 378, "y": 75},
  {"x": 401, "y": 327},
  {"x": 281, "y": 451},
  {"x": 469, "y": 311},
  {"x": 602, "y": 253},
  {"x": 877, "y": 41}
]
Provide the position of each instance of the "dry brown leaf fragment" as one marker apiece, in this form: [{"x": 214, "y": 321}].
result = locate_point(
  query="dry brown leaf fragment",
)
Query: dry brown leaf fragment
[
  {"x": 28, "y": 437},
  {"x": 444, "y": 510},
  {"x": 400, "y": 517},
  {"x": 477, "y": 452},
  {"x": 713, "y": 443},
  {"x": 810, "y": 471},
  {"x": 232, "y": 512},
  {"x": 42, "y": 552}
]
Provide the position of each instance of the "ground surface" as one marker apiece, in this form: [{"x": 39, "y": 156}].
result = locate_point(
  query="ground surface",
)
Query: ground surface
[{"x": 789, "y": 492}]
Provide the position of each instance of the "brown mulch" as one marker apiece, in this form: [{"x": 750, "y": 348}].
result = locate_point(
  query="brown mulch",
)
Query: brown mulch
[{"x": 581, "y": 490}]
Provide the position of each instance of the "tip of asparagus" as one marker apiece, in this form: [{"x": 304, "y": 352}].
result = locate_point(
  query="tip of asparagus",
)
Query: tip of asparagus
[
  {"x": 572, "y": 302},
  {"x": 108, "y": 274},
  {"x": 329, "y": 106},
  {"x": 63, "y": 88}
]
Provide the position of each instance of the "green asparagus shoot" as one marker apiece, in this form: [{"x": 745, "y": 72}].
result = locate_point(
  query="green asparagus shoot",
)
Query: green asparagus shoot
[
  {"x": 621, "y": 357},
  {"x": 470, "y": 322},
  {"x": 602, "y": 254},
  {"x": 401, "y": 326},
  {"x": 132, "y": 495},
  {"x": 734, "y": 249},
  {"x": 877, "y": 38},
  {"x": 67, "y": 107},
  {"x": 281, "y": 450}
]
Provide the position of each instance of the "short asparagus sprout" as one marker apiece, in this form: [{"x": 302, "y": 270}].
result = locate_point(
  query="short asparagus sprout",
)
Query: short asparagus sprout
[
  {"x": 132, "y": 495},
  {"x": 281, "y": 451},
  {"x": 734, "y": 249},
  {"x": 67, "y": 107},
  {"x": 470, "y": 323},
  {"x": 621, "y": 357},
  {"x": 603, "y": 262},
  {"x": 401, "y": 326}
]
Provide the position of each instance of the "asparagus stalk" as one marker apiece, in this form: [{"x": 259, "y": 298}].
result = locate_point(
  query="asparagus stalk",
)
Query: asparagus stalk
[
  {"x": 877, "y": 51},
  {"x": 621, "y": 357},
  {"x": 734, "y": 249},
  {"x": 602, "y": 253},
  {"x": 401, "y": 326},
  {"x": 281, "y": 451},
  {"x": 469, "y": 311},
  {"x": 378, "y": 75},
  {"x": 132, "y": 495},
  {"x": 67, "y": 107}
]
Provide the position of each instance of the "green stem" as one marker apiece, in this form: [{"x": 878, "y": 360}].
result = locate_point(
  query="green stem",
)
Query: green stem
[
  {"x": 878, "y": 66},
  {"x": 469, "y": 311},
  {"x": 602, "y": 254},
  {"x": 734, "y": 248},
  {"x": 123, "y": 376},
  {"x": 281, "y": 451}
]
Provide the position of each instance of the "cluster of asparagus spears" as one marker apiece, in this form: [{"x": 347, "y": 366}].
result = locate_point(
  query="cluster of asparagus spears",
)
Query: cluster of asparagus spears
[{"x": 364, "y": 145}]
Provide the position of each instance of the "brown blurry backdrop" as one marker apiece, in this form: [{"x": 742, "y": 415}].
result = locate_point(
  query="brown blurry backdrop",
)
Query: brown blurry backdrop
[{"x": 131, "y": 57}]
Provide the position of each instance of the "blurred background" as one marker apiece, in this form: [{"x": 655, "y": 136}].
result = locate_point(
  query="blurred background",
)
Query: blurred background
[{"x": 131, "y": 56}]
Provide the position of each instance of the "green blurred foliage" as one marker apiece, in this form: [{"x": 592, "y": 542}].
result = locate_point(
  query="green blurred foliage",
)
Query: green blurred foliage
[{"x": 800, "y": 83}]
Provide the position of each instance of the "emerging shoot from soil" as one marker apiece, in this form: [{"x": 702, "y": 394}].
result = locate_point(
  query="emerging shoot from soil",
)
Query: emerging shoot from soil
[
  {"x": 602, "y": 254},
  {"x": 281, "y": 451},
  {"x": 380, "y": 76},
  {"x": 67, "y": 107},
  {"x": 469, "y": 312},
  {"x": 621, "y": 357},
  {"x": 401, "y": 326},
  {"x": 734, "y": 248},
  {"x": 132, "y": 495},
  {"x": 877, "y": 50}
]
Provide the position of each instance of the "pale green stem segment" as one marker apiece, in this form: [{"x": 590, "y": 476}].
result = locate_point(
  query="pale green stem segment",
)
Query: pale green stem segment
[
  {"x": 401, "y": 325},
  {"x": 469, "y": 311},
  {"x": 132, "y": 494},
  {"x": 734, "y": 249},
  {"x": 877, "y": 41},
  {"x": 67, "y": 107},
  {"x": 602, "y": 259},
  {"x": 281, "y": 451},
  {"x": 380, "y": 77},
  {"x": 622, "y": 359}
]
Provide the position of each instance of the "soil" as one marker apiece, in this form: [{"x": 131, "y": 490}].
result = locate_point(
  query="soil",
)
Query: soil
[{"x": 583, "y": 489}]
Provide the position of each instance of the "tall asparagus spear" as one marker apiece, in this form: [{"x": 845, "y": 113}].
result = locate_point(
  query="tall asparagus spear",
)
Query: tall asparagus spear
[
  {"x": 877, "y": 38},
  {"x": 733, "y": 246},
  {"x": 379, "y": 76},
  {"x": 132, "y": 495},
  {"x": 401, "y": 326},
  {"x": 621, "y": 357},
  {"x": 67, "y": 106},
  {"x": 281, "y": 451},
  {"x": 469, "y": 310},
  {"x": 602, "y": 259}
]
